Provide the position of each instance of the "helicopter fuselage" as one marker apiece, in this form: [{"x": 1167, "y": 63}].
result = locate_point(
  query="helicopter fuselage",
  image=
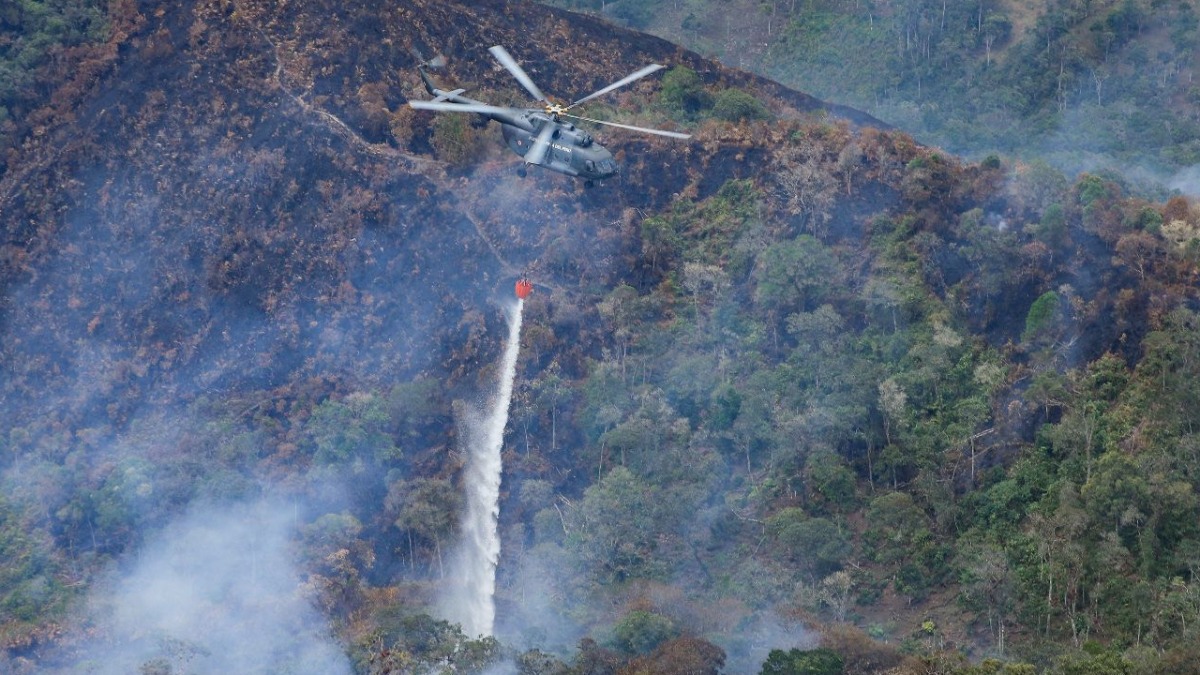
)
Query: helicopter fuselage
[{"x": 572, "y": 150}]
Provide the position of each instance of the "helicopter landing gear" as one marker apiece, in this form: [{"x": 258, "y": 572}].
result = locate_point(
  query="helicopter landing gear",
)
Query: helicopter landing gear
[
  {"x": 589, "y": 184},
  {"x": 521, "y": 172}
]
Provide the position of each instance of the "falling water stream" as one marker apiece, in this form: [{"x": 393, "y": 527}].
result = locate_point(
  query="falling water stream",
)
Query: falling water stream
[{"x": 470, "y": 599}]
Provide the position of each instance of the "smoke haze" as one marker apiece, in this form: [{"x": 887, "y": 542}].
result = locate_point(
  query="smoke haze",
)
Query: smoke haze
[{"x": 217, "y": 591}]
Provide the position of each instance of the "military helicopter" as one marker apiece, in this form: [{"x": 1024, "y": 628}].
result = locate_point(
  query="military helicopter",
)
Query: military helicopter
[{"x": 540, "y": 135}]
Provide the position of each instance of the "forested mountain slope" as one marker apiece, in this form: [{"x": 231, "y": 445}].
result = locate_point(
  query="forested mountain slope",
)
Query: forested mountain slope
[
  {"x": 1085, "y": 85},
  {"x": 799, "y": 380}
]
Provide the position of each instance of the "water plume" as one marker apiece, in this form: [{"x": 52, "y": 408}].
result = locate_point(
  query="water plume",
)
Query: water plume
[{"x": 470, "y": 599}]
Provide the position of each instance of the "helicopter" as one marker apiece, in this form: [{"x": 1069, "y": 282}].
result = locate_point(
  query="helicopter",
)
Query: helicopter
[{"x": 540, "y": 135}]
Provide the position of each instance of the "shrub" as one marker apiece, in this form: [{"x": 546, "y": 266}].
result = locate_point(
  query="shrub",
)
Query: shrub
[
  {"x": 683, "y": 94},
  {"x": 735, "y": 105},
  {"x": 640, "y": 632}
]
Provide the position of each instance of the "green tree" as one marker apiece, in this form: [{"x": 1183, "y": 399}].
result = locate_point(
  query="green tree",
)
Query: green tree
[
  {"x": 645, "y": 438},
  {"x": 1094, "y": 660},
  {"x": 988, "y": 588},
  {"x": 735, "y": 105},
  {"x": 683, "y": 94},
  {"x": 831, "y": 479},
  {"x": 1058, "y": 530},
  {"x": 618, "y": 527},
  {"x": 1167, "y": 374},
  {"x": 794, "y": 275},
  {"x": 997, "y": 28},
  {"x": 640, "y": 632},
  {"x": 899, "y": 537},
  {"x": 427, "y": 508},
  {"x": 819, "y": 661},
  {"x": 815, "y": 544},
  {"x": 352, "y": 429},
  {"x": 37, "y": 30},
  {"x": 407, "y": 641},
  {"x": 1042, "y": 321},
  {"x": 29, "y": 589}
]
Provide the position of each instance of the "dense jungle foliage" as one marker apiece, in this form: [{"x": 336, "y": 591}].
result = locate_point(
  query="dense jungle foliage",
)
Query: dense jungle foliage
[
  {"x": 1081, "y": 84},
  {"x": 799, "y": 396},
  {"x": 37, "y": 38}
]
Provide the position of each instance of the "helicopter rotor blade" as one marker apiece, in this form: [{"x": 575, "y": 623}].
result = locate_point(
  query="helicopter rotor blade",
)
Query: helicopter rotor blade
[
  {"x": 620, "y": 83},
  {"x": 482, "y": 108},
  {"x": 541, "y": 144},
  {"x": 513, "y": 67},
  {"x": 657, "y": 132}
]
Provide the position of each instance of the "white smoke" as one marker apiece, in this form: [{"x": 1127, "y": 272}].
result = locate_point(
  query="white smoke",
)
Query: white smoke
[
  {"x": 470, "y": 598},
  {"x": 215, "y": 592},
  {"x": 1186, "y": 180}
]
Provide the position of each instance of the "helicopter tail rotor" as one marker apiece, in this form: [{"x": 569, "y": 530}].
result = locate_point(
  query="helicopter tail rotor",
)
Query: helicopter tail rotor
[{"x": 438, "y": 61}]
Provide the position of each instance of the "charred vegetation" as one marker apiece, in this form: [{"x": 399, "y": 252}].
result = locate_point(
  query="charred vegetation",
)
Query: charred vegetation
[{"x": 801, "y": 352}]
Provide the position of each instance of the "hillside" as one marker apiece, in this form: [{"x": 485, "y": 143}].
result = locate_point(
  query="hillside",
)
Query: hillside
[
  {"x": 799, "y": 380},
  {"x": 1087, "y": 86}
]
